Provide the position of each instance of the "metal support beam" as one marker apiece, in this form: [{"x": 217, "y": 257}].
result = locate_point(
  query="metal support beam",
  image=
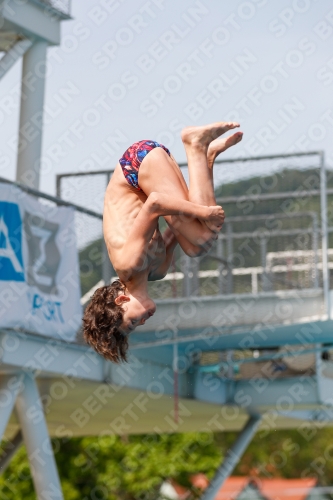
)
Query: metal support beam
[
  {"x": 9, "y": 451},
  {"x": 32, "y": 102},
  {"x": 13, "y": 54},
  {"x": 232, "y": 458},
  {"x": 10, "y": 386},
  {"x": 37, "y": 441}
]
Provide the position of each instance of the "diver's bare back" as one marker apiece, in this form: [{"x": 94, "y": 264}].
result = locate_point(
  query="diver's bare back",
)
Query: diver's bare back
[{"x": 122, "y": 203}]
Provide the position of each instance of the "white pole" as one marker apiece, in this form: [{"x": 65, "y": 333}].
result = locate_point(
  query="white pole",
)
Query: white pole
[
  {"x": 9, "y": 451},
  {"x": 37, "y": 441},
  {"x": 31, "y": 114},
  {"x": 232, "y": 458},
  {"x": 9, "y": 388}
]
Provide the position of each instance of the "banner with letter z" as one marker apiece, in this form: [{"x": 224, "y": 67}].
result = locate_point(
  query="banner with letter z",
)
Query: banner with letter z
[{"x": 39, "y": 271}]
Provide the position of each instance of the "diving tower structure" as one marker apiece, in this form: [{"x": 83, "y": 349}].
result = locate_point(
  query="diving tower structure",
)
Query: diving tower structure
[
  {"x": 241, "y": 346},
  {"x": 27, "y": 29},
  {"x": 238, "y": 344}
]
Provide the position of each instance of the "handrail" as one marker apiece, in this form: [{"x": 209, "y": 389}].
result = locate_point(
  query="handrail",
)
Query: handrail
[{"x": 54, "y": 199}]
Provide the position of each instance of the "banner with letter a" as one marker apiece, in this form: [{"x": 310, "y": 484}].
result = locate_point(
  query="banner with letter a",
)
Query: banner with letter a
[{"x": 39, "y": 271}]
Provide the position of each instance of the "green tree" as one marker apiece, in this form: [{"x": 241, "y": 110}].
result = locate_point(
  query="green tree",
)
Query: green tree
[{"x": 134, "y": 467}]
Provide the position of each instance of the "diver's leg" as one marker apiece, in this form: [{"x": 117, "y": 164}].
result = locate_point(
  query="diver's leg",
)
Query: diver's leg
[
  {"x": 159, "y": 172},
  {"x": 202, "y": 145}
]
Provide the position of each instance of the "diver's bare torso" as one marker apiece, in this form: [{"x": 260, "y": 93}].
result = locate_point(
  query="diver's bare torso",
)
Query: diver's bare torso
[{"x": 122, "y": 203}]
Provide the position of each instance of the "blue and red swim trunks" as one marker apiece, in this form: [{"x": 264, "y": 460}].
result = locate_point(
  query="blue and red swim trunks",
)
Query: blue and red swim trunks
[{"x": 132, "y": 158}]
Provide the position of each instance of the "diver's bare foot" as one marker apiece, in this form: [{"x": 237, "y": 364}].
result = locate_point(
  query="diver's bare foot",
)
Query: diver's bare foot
[
  {"x": 217, "y": 146},
  {"x": 201, "y": 137}
]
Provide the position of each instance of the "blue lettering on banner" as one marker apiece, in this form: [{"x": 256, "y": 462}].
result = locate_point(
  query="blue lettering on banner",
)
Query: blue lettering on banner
[
  {"x": 50, "y": 309},
  {"x": 11, "y": 261}
]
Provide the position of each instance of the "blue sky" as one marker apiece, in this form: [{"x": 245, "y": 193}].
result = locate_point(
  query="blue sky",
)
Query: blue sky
[{"x": 130, "y": 70}]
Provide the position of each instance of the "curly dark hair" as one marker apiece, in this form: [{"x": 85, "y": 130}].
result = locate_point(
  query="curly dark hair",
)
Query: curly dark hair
[{"x": 101, "y": 322}]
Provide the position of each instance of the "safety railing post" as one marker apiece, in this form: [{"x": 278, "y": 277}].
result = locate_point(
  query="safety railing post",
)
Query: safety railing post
[
  {"x": 315, "y": 277},
  {"x": 186, "y": 268},
  {"x": 324, "y": 233},
  {"x": 230, "y": 280},
  {"x": 265, "y": 277},
  {"x": 195, "y": 286},
  {"x": 220, "y": 278}
]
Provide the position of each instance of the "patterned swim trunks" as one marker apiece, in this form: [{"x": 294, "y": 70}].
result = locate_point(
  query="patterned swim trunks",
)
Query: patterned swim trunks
[{"x": 132, "y": 158}]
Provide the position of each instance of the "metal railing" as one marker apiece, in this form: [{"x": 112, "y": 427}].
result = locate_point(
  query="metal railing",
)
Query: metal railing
[
  {"x": 302, "y": 262},
  {"x": 280, "y": 251},
  {"x": 271, "y": 240},
  {"x": 254, "y": 253}
]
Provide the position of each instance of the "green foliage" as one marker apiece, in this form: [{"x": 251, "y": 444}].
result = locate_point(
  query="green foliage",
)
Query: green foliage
[
  {"x": 134, "y": 467},
  {"x": 16, "y": 482},
  {"x": 112, "y": 467},
  {"x": 305, "y": 452}
]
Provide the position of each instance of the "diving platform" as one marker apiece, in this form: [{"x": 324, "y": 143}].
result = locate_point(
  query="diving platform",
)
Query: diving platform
[
  {"x": 85, "y": 394},
  {"x": 243, "y": 337},
  {"x": 231, "y": 348}
]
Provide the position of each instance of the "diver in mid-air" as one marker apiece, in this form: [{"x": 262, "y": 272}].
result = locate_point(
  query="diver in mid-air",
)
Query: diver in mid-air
[{"x": 147, "y": 184}]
